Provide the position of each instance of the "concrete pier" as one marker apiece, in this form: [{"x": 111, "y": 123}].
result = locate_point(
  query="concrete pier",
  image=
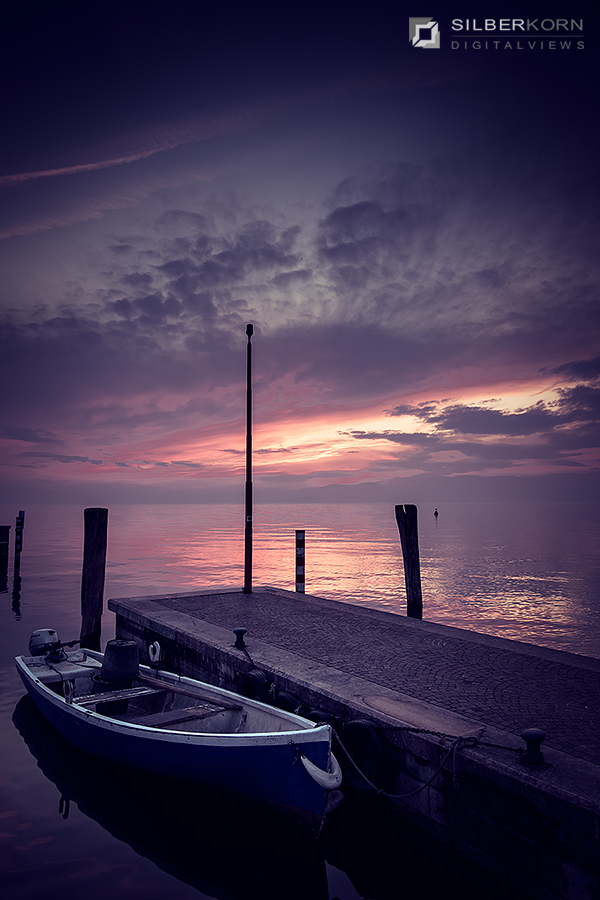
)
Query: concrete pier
[{"x": 421, "y": 686}]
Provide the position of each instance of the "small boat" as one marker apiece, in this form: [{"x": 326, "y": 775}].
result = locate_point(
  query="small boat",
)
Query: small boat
[{"x": 111, "y": 706}]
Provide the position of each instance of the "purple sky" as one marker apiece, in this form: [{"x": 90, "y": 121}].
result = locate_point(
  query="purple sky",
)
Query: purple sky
[{"x": 413, "y": 233}]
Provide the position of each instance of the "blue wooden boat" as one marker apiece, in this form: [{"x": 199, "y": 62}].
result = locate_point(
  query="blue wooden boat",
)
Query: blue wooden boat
[{"x": 178, "y": 727}]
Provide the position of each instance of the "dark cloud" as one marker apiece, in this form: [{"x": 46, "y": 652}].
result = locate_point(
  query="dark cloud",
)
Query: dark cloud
[
  {"x": 479, "y": 420},
  {"x": 580, "y": 403},
  {"x": 437, "y": 246},
  {"x": 397, "y": 437},
  {"x": 138, "y": 279},
  {"x": 426, "y": 444},
  {"x": 583, "y": 369},
  {"x": 154, "y": 307},
  {"x": 492, "y": 278},
  {"x": 423, "y": 410},
  {"x": 285, "y": 279},
  {"x": 256, "y": 247},
  {"x": 29, "y": 435},
  {"x": 63, "y": 458},
  {"x": 554, "y": 433},
  {"x": 268, "y": 450},
  {"x": 175, "y": 218}
]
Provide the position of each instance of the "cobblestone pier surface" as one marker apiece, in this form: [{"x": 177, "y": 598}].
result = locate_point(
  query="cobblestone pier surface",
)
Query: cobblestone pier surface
[{"x": 500, "y": 683}]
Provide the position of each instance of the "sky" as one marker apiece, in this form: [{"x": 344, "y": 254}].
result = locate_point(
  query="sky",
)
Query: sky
[{"x": 412, "y": 231}]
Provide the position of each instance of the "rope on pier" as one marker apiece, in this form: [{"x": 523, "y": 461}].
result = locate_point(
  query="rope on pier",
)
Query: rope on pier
[
  {"x": 477, "y": 741},
  {"x": 458, "y": 743}
]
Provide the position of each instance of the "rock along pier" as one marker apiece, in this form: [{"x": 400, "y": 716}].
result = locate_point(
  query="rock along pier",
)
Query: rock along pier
[{"x": 442, "y": 713}]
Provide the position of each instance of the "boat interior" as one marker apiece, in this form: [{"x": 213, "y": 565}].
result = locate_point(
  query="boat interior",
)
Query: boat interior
[{"x": 150, "y": 701}]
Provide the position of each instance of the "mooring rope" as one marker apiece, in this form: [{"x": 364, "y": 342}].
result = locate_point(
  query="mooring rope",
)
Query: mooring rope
[
  {"x": 448, "y": 737},
  {"x": 458, "y": 743}
]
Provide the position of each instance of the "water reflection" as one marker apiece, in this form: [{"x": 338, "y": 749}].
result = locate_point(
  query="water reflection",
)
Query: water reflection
[
  {"x": 4, "y": 553},
  {"x": 524, "y": 571},
  {"x": 227, "y": 850},
  {"x": 16, "y": 597},
  {"x": 4, "y": 535}
]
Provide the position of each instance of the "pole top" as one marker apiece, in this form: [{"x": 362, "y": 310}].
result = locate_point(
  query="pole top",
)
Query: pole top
[{"x": 249, "y": 330}]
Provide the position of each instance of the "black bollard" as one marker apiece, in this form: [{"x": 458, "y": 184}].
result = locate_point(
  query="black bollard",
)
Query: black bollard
[
  {"x": 92, "y": 576},
  {"x": 533, "y": 757},
  {"x": 406, "y": 517},
  {"x": 239, "y": 637}
]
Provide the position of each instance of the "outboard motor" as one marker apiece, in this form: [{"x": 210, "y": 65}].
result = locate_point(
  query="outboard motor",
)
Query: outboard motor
[{"x": 43, "y": 641}]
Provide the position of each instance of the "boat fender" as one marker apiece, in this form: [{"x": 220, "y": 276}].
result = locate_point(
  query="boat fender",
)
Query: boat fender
[
  {"x": 321, "y": 716},
  {"x": 68, "y": 691},
  {"x": 287, "y": 701},
  {"x": 334, "y": 800},
  {"x": 370, "y": 753},
  {"x": 328, "y": 780},
  {"x": 255, "y": 685},
  {"x": 155, "y": 653}
]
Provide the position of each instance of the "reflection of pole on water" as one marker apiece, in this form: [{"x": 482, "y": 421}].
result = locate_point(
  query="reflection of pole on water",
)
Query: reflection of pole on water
[
  {"x": 16, "y": 594},
  {"x": 16, "y": 597},
  {"x": 18, "y": 546},
  {"x": 4, "y": 530}
]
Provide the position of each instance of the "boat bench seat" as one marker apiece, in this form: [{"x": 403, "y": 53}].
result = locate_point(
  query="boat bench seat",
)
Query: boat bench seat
[
  {"x": 178, "y": 716},
  {"x": 123, "y": 694}
]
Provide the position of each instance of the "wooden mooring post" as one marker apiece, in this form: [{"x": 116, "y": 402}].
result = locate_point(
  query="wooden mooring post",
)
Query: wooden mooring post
[
  {"x": 92, "y": 576},
  {"x": 406, "y": 517},
  {"x": 300, "y": 561}
]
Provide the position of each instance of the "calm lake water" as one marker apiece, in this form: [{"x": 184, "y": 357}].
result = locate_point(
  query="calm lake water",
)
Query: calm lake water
[{"x": 528, "y": 572}]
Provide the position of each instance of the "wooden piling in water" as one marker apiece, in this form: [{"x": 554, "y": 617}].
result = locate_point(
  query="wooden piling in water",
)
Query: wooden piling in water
[
  {"x": 300, "y": 561},
  {"x": 406, "y": 517},
  {"x": 92, "y": 576}
]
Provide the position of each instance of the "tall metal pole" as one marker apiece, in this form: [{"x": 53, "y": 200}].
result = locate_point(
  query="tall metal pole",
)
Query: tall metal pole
[{"x": 248, "y": 529}]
